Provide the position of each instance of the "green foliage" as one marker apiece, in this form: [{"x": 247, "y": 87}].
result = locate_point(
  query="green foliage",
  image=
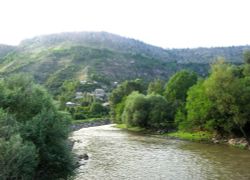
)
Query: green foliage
[
  {"x": 67, "y": 92},
  {"x": 133, "y": 129},
  {"x": 56, "y": 79},
  {"x": 146, "y": 111},
  {"x": 33, "y": 137},
  {"x": 247, "y": 57},
  {"x": 221, "y": 103},
  {"x": 192, "y": 136},
  {"x": 118, "y": 110},
  {"x": 6, "y": 49},
  {"x": 104, "y": 57},
  {"x": 119, "y": 94},
  {"x": 136, "y": 110},
  {"x": 158, "y": 112},
  {"x": 97, "y": 108},
  {"x": 199, "y": 109},
  {"x": 18, "y": 159},
  {"x": 177, "y": 87},
  {"x": 23, "y": 98},
  {"x": 156, "y": 87}
]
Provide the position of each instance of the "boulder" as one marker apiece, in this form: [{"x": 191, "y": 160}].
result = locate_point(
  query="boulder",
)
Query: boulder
[
  {"x": 241, "y": 142},
  {"x": 83, "y": 156}
]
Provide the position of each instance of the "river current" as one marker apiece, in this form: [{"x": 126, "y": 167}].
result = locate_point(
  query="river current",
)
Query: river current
[{"x": 115, "y": 154}]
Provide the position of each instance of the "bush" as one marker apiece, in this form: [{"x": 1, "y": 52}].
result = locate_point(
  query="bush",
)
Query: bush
[
  {"x": 146, "y": 111},
  {"x": 158, "y": 114},
  {"x": 136, "y": 110},
  {"x": 97, "y": 109},
  {"x": 119, "y": 94},
  {"x": 34, "y": 134},
  {"x": 18, "y": 159}
]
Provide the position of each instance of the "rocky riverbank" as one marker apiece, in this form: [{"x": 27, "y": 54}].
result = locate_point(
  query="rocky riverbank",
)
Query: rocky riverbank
[
  {"x": 81, "y": 125},
  {"x": 241, "y": 143}
]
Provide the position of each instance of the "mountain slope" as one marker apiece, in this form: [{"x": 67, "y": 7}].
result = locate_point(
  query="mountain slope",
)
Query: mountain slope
[
  {"x": 99, "y": 40},
  {"x": 5, "y": 49},
  {"x": 105, "y": 58},
  {"x": 233, "y": 54}
]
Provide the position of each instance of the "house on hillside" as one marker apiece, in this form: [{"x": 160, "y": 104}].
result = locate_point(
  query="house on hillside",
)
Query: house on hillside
[
  {"x": 79, "y": 95},
  {"x": 99, "y": 94},
  {"x": 70, "y": 104},
  {"x": 106, "y": 104},
  {"x": 83, "y": 81}
]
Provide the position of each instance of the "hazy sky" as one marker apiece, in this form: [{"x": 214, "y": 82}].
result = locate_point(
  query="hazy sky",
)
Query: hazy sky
[{"x": 165, "y": 23}]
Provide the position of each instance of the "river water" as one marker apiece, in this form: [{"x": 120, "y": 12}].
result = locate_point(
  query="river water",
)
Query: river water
[{"x": 116, "y": 154}]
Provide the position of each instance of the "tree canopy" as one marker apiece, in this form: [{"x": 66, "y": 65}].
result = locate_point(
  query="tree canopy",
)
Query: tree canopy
[{"x": 33, "y": 132}]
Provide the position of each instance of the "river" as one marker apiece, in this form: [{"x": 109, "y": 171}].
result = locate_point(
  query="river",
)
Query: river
[{"x": 115, "y": 154}]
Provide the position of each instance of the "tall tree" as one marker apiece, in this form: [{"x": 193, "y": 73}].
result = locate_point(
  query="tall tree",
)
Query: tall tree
[
  {"x": 39, "y": 128},
  {"x": 156, "y": 87},
  {"x": 177, "y": 87},
  {"x": 119, "y": 95}
]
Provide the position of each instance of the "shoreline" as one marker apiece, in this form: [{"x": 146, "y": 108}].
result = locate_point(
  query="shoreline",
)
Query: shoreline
[
  {"x": 200, "y": 137},
  {"x": 92, "y": 123}
]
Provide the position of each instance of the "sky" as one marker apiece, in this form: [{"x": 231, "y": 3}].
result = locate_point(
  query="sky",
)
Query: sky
[{"x": 164, "y": 23}]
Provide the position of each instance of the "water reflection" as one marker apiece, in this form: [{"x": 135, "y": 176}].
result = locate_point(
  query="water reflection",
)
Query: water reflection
[{"x": 116, "y": 154}]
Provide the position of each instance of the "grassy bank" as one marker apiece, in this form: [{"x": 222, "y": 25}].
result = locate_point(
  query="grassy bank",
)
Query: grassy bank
[
  {"x": 199, "y": 136},
  {"x": 191, "y": 136},
  {"x": 133, "y": 129}
]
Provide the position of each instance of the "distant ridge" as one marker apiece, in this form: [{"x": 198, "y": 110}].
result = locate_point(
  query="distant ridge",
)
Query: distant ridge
[{"x": 105, "y": 58}]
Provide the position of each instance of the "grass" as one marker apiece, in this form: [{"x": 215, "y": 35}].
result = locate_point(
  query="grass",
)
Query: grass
[
  {"x": 240, "y": 146},
  {"x": 133, "y": 129},
  {"x": 191, "y": 136},
  {"x": 87, "y": 120},
  {"x": 198, "y": 136}
]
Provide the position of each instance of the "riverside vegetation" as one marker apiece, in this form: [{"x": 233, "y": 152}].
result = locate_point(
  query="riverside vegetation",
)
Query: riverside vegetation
[
  {"x": 33, "y": 133},
  {"x": 218, "y": 104},
  {"x": 34, "y": 128}
]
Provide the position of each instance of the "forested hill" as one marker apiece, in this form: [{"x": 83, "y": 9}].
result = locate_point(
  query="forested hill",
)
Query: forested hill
[
  {"x": 5, "y": 49},
  {"x": 99, "y": 40},
  {"x": 104, "y": 40},
  {"x": 232, "y": 54},
  {"x": 105, "y": 58}
]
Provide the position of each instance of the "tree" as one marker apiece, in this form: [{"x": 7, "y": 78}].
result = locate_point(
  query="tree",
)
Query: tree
[
  {"x": 246, "y": 55},
  {"x": 199, "y": 109},
  {"x": 221, "y": 102},
  {"x": 149, "y": 111},
  {"x": 119, "y": 94},
  {"x": 67, "y": 92},
  {"x": 96, "y": 108},
  {"x": 18, "y": 159},
  {"x": 39, "y": 130},
  {"x": 136, "y": 110},
  {"x": 158, "y": 113},
  {"x": 156, "y": 87},
  {"x": 246, "y": 70},
  {"x": 177, "y": 87},
  {"x": 222, "y": 89}
]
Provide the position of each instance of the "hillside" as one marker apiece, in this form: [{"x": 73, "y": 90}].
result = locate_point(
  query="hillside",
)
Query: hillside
[
  {"x": 233, "y": 54},
  {"x": 5, "y": 49},
  {"x": 105, "y": 58}
]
